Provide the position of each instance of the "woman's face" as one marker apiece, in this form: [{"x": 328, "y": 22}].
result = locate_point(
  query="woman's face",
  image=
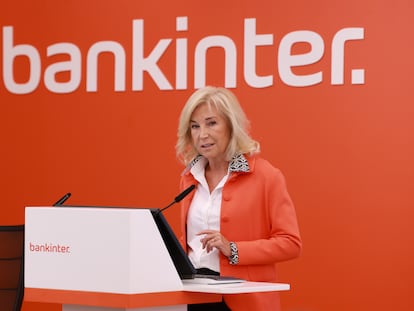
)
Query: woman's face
[{"x": 210, "y": 132}]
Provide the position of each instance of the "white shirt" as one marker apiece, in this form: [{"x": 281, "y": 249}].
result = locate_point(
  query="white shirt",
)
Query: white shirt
[{"x": 204, "y": 214}]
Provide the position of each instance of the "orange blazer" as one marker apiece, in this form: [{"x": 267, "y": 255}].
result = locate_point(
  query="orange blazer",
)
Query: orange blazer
[{"x": 257, "y": 214}]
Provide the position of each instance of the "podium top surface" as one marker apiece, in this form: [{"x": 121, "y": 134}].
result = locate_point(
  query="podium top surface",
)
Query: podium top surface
[{"x": 235, "y": 288}]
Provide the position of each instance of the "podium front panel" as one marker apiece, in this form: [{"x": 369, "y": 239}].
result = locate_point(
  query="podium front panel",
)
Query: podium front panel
[{"x": 114, "y": 250}]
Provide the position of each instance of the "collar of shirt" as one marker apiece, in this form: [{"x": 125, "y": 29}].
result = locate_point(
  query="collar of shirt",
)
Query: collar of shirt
[{"x": 238, "y": 163}]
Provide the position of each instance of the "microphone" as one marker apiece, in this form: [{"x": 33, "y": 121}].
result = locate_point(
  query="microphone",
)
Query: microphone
[
  {"x": 62, "y": 199},
  {"x": 179, "y": 197}
]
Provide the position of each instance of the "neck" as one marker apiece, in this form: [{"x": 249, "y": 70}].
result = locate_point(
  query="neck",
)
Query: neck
[
  {"x": 218, "y": 166},
  {"x": 214, "y": 172}
]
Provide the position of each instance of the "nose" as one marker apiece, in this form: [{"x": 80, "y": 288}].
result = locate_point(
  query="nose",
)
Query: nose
[{"x": 203, "y": 132}]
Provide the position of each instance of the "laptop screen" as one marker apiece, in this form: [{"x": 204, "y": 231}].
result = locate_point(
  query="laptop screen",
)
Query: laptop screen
[{"x": 181, "y": 261}]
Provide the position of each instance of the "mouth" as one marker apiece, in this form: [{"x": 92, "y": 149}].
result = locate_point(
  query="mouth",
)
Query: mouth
[{"x": 206, "y": 145}]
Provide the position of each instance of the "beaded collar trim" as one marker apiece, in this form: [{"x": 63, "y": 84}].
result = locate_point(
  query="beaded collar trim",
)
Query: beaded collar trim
[{"x": 238, "y": 163}]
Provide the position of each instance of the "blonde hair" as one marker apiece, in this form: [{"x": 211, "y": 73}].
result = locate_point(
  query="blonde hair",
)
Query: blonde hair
[{"x": 228, "y": 105}]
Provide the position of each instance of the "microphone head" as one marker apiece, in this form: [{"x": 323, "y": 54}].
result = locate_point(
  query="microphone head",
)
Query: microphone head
[
  {"x": 178, "y": 198},
  {"x": 183, "y": 194}
]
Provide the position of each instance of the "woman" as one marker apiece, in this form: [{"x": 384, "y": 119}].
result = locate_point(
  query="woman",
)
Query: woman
[{"x": 240, "y": 220}]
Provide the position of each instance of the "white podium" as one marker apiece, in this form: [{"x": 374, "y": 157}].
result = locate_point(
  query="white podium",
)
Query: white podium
[{"x": 91, "y": 259}]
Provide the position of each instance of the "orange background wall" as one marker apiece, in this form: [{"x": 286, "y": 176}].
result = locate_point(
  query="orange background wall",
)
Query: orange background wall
[{"x": 347, "y": 150}]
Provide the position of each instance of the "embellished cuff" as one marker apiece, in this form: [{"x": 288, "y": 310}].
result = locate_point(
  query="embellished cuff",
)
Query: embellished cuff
[{"x": 234, "y": 256}]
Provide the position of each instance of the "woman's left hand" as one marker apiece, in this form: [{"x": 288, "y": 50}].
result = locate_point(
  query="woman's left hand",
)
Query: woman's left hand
[{"x": 214, "y": 239}]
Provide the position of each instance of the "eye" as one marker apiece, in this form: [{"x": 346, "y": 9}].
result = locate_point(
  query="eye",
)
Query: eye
[
  {"x": 194, "y": 126},
  {"x": 211, "y": 123}
]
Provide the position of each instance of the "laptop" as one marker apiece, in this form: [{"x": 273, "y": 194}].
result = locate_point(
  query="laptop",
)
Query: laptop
[{"x": 184, "y": 266}]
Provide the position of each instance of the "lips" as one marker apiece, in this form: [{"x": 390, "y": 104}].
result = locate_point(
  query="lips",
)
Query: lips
[{"x": 206, "y": 145}]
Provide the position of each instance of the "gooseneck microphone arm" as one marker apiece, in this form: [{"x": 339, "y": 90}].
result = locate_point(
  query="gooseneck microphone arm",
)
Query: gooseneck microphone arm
[
  {"x": 62, "y": 199},
  {"x": 179, "y": 197}
]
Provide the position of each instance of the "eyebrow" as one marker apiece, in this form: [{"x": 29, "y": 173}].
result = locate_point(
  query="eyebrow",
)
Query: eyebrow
[{"x": 206, "y": 119}]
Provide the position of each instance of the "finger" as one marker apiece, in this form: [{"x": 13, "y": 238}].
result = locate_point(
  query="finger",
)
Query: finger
[
  {"x": 207, "y": 232},
  {"x": 210, "y": 244},
  {"x": 209, "y": 237},
  {"x": 217, "y": 242}
]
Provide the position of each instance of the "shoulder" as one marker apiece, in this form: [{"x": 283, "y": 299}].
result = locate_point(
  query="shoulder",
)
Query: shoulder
[
  {"x": 264, "y": 170},
  {"x": 257, "y": 163}
]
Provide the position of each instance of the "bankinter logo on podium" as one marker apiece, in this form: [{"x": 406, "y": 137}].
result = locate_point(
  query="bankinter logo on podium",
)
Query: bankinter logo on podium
[{"x": 49, "y": 248}]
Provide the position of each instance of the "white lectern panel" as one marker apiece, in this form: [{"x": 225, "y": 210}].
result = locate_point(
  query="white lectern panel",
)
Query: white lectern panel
[{"x": 112, "y": 250}]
